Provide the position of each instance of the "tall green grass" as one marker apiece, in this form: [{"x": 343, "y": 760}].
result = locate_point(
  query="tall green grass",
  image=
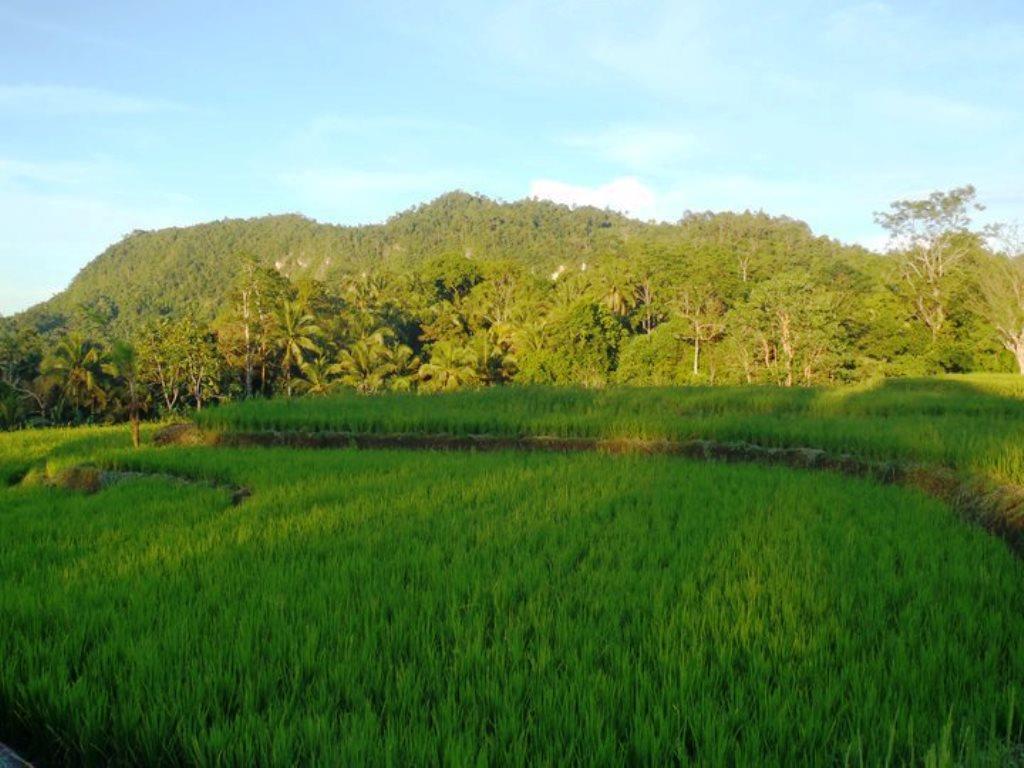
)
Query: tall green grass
[
  {"x": 421, "y": 608},
  {"x": 970, "y": 422},
  {"x": 20, "y": 451}
]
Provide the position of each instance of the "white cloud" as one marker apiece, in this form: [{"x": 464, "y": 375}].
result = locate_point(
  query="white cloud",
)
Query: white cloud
[
  {"x": 811, "y": 200},
  {"x": 877, "y": 243},
  {"x": 70, "y": 100},
  {"x": 642, "y": 148},
  {"x": 699, "y": 191},
  {"x": 350, "y": 196},
  {"x": 626, "y": 194}
]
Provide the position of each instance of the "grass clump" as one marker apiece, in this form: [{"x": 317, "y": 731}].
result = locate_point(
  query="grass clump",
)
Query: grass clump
[
  {"x": 973, "y": 423},
  {"x": 410, "y": 608}
]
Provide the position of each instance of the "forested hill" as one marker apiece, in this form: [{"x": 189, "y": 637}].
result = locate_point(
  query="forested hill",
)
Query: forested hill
[
  {"x": 465, "y": 291},
  {"x": 189, "y": 270}
]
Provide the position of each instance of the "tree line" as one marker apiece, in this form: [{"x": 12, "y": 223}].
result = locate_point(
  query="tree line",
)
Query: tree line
[{"x": 745, "y": 299}]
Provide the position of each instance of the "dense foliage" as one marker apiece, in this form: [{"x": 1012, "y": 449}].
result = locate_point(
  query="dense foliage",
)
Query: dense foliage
[
  {"x": 466, "y": 292},
  {"x": 388, "y": 607}
]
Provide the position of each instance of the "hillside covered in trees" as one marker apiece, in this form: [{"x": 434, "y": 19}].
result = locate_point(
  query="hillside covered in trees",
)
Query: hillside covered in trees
[
  {"x": 466, "y": 291},
  {"x": 188, "y": 270}
]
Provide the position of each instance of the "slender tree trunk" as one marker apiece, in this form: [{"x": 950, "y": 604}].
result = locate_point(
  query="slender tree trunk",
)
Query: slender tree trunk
[
  {"x": 133, "y": 416},
  {"x": 248, "y": 344},
  {"x": 786, "y": 340},
  {"x": 940, "y": 313},
  {"x": 696, "y": 354}
]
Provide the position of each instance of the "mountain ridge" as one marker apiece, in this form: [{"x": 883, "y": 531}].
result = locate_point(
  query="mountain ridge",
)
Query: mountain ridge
[{"x": 188, "y": 269}]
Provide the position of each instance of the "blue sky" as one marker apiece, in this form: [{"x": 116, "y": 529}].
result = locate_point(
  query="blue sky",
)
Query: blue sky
[{"x": 123, "y": 115}]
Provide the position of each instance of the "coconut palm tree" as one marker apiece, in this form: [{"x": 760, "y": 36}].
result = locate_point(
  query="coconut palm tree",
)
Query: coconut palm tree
[
  {"x": 319, "y": 376},
  {"x": 492, "y": 364},
  {"x": 125, "y": 367},
  {"x": 450, "y": 367},
  {"x": 404, "y": 366},
  {"x": 366, "y": 365},
  {"x": 366, "y": 292},
  {"x": 296, "y": 332},
  {"x": 76, "y": 365}
]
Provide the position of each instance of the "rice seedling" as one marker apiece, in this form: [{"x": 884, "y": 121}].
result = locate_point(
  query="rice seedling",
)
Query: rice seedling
[
  {"x": 410, "y": 608},
  {"x": 974, "y": 423}
]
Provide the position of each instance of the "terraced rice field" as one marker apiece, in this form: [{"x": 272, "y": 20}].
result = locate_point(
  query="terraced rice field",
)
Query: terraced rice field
[
  {"x": 971, "y": 422},
  {"x": 410, "y": 607}
]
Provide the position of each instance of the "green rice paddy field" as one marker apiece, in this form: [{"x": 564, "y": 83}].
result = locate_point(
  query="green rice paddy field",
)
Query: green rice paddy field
[
  {"x": 973, "y": 422},
  {"x": 427, "y": 607}
]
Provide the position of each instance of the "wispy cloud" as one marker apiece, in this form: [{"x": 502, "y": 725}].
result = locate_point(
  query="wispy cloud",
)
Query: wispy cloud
[
  {"x": 668, "y": 200},
  {"x": 16, "y": 295},
  {"x": 56, "y": 215},
  {"x": 861, "y": 24},
  {"x": 638, "y": 147},
  {"x": 56, "y": 175},
  {"x": 906, "y": 34},
  {"x": 329, "y": 148},
  {"x": 873, "y": 242},
  {"x": 683, "y": 52},
  {"x": 326, "y": 125},
  {"x": 919, "y": 106},
  {"x": 48, "y": 236},
  {"x": 357, "y": 196},
  {"x": 626, "y": 195},
  {"x": 72, "y": 100}
]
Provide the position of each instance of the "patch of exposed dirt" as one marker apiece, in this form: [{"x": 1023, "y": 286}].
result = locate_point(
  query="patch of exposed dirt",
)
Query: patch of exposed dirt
[
  {"x": 179, "y": 434},
  {"x": 89, "y": 480}
]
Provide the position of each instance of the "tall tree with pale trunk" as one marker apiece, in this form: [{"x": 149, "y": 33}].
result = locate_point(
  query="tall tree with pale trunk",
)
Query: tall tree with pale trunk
[
  {"x": 931, "y": 237},
  {"x": 1001, "y": 293},
  {"x": 704, "y": 314}
]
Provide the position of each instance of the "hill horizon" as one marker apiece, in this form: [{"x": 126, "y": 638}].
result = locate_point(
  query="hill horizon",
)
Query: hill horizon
[
  {"x": 457, "y": 192},
  {"x": 383, "y": 234}
]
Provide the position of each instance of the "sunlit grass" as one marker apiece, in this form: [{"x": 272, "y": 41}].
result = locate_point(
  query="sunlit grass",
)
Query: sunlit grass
[
  {"x": 970, "y": 422},
  {"x": 515, "y": 608},
  {"x": 429, "y": 607},
  {"x": 24, "y": 449}
]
